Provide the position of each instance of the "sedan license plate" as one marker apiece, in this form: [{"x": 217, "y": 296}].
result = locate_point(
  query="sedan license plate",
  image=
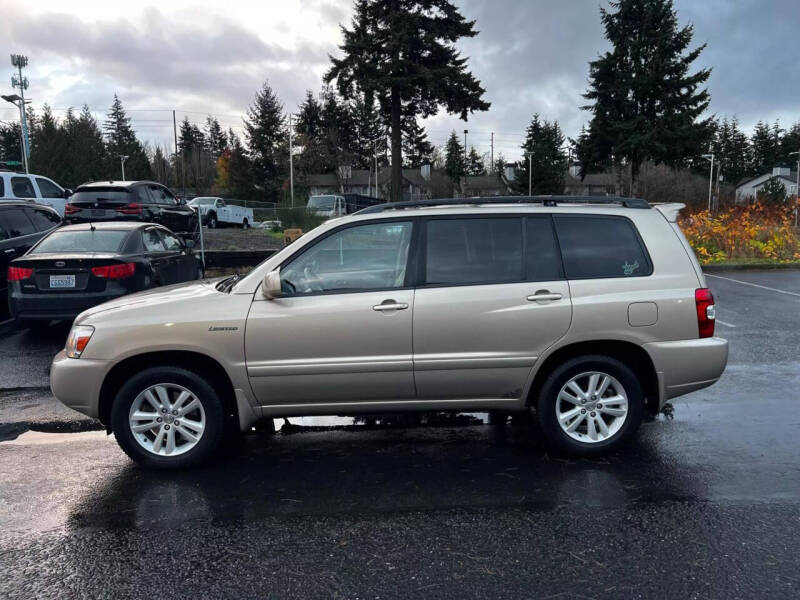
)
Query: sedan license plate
[
  {"x": 95, "y": 212},
  {"x": 62, "y": 281}
]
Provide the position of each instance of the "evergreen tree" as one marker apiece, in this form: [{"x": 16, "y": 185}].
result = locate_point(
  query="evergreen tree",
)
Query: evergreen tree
[
  {"x": 338, "y": 129},
  {"x": 162, "y": 170},
  {"x": 370, "y": 134},
  {"x": 216, "y": 140},
  {"x": 766, "y": 148},
  {"x": 645, "y": 103},
  {"x": 47, "y": 145},
  {"x": 545, "y": 143},
  {"x": 732, "y": 150},
  {"x": 85, "y": 158},
  {"x": 309, "y": 131},
  {"x": 403, "y": 52},
  {"x": 417, "y": 150},
  {"x": 10, "y": 148},
  {"x": 790, "y": 142},
  {"x": 454, "y": 163},
  {"x": 121, "y": 140},
  {"x": 500, "y": 163},
  {"x": 265, "y": 132},
  {"x": 475, "y": 164},
  {"x": 240, "y": 174}
]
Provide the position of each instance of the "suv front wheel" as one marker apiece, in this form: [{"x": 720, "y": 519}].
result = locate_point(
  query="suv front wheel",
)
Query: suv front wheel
[
  {"x": 168, "y": 417},
  {"x": 590, "y": 405}
]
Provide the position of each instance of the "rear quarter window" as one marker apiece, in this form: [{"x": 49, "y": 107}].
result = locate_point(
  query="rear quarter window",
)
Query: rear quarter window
[{"x": 600, "y": 246}]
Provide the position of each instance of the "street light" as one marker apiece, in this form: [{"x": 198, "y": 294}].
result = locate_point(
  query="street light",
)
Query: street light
[
  {"x": 529, "y": 154},
  {"x": 18, "y": 101},
  {"x": 122, "y": 159},
  {"x": 466, "y": 131},
  {"x": 710, "y": 157}
]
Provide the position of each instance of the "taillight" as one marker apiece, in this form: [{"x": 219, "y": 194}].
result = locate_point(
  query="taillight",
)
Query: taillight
[
  {"x": 19, "y": 273},
  {"x": 71, "y": 209},
  {"x": 704, "y": 300},
  {"x": 130, "y": 209},
  {"x": 115, "y": 271}
]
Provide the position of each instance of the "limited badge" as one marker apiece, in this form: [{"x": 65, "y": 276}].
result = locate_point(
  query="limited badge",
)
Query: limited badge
[{"x": 629, "y": 268}]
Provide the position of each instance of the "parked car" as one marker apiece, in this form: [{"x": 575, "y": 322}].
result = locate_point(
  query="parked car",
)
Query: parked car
[
  {"x": 592, "y": 314},
  {"x": 23, "y": 186},
  {"x": 79, "y": 266},
  {"x": 144, "y": 201},
  {"x": 336, "y": 205},
  {"x": 215, "y": 213},
  {"x": 22, "y": 224}
]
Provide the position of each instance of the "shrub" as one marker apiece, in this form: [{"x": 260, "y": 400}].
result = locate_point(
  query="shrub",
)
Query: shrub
[{"x": 744, "y": 232}]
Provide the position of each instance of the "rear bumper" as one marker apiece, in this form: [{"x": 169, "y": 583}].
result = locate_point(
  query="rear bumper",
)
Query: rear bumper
[
  {"x": 687, "y": 365},
  {"x": 57, "y": 306},
  {"x": 76, "y": 382}
]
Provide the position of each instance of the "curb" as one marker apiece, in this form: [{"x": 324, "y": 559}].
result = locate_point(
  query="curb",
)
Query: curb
[{"x": 750, "y": 267}]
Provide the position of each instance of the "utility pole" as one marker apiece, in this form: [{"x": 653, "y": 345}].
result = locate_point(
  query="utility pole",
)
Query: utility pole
[
  {"x": 175, "y": 133},
  {"x": 530, "y": 173},
  {"x": 466, "y": 131},
  {"x": 375, "y": 154},
  {"x": 122, "y": 159},
  {"x": 491, "y": 159},
  {"x": 291, "y": 164}
]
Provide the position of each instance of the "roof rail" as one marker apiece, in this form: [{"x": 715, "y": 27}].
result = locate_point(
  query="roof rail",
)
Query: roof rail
[{"x": 479, "y": 201}]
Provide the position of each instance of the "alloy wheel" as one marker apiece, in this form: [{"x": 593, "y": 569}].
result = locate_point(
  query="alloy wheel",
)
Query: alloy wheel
[
  {"x": 167, "y": 419},
  {"x": 592, "y": 407}
]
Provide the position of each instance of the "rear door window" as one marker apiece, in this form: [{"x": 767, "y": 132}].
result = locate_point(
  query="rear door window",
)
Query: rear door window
[
  {"x": 473, "y": 251},
  {"x": 598, "y": 247},
  {"x": 43, "y": 219},
  {"x": 16, "y": 223},
  {"x": 171, "y": 242},
  {"x": 22, "y": 187}
]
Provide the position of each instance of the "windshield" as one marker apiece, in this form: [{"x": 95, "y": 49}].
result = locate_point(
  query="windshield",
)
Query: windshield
[
  {"x": 202, "y": 201},
  {"x": 82, "y": 241},
  {"x": 322, "y": 202}
]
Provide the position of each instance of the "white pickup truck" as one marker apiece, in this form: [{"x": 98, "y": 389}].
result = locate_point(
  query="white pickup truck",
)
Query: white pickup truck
[{"x": 215, "y": 213}]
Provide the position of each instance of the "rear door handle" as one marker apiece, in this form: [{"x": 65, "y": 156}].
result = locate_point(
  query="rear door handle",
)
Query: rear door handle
[
  {"x": 390, "y": 305},
  {"x": 10, "y": 251},
  {"x": 544, "y": 296}
]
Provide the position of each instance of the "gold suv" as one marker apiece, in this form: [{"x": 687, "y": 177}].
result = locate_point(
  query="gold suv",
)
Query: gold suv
[{"x": 589, "y": 311}]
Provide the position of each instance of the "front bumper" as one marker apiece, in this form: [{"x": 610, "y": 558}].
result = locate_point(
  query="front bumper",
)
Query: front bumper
[
  {"x": 687, "y": 365},
  {"x": 76, "y": 382}
]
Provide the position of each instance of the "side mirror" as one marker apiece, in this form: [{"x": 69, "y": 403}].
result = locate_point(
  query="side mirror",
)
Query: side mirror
[
  {"x": 271, "y": 288},
  {"x": 67, "y": 193}
]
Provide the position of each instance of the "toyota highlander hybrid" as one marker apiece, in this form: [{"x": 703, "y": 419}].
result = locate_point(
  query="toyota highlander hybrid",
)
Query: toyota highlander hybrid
[{"x": 589, "y": 312}]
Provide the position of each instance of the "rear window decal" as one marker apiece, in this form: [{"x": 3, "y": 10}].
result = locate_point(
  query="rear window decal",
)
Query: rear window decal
[{"x": 629, "y": 268}]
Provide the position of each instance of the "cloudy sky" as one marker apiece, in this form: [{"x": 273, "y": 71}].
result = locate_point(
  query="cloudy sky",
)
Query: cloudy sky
[{"x": 202, "y": 58}]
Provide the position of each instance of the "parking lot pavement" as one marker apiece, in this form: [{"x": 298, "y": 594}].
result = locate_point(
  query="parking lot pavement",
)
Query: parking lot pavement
[{"x": 703, "y": 506}]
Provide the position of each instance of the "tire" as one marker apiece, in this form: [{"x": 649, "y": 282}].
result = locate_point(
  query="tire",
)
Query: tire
[
  {"x": 245, "y": 224},
  {"x": 212, "y": 221},
  {"x": 619, "y": 430},
  {"x": 184, "y": 453}
]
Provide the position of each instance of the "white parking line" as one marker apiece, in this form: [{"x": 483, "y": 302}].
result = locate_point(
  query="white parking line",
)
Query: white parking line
[
  {"x": 721, "y": 322},
  {"x": 763, "y": 287}
]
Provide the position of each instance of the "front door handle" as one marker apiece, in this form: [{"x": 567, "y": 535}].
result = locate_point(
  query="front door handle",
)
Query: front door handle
[
  {"x": 390, "y": 305},
  {"x": 10, "y": 251},
  {"x": 544, "y": 295}
]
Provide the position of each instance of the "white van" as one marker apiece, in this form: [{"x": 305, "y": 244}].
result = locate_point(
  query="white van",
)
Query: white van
[{"x": 23, "y": 186}]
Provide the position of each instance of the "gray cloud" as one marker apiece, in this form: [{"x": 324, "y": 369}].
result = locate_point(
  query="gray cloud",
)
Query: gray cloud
[{"x": 531, "y": 57}]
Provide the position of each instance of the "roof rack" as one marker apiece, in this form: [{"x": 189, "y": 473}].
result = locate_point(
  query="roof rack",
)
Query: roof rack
[{"x": 479, "y": 201}]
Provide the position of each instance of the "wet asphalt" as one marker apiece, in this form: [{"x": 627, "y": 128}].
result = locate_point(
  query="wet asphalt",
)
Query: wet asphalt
[{"x": 705, "y": 505}]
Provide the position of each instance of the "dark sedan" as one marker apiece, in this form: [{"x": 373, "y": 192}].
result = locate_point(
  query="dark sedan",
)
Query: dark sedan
[
  {"x": 145, "y": 201},
  {"x": 79, "y": 266}
]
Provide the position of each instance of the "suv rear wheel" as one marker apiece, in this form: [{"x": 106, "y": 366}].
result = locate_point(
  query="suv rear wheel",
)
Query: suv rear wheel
[
  {"x": 168, "y": 417},
  {"x": 590, "y": 405}
]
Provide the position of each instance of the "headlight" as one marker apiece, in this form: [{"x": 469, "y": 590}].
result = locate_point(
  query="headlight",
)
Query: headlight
[{"x": 78, "y": 338}]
